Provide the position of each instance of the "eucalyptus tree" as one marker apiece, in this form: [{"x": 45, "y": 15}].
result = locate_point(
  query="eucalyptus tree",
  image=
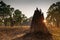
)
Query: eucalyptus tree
[
  {"x": 53, "y": 16},
  {"x": 17, "y": 16},
  {"x": 5, "y": 10}
]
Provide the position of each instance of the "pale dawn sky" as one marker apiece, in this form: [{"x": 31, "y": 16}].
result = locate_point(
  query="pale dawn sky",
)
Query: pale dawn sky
[{"x": 28, "y": 6}]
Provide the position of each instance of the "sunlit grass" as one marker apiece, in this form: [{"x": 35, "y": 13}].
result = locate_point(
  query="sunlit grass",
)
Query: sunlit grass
[{"x": 55, "y": 31}]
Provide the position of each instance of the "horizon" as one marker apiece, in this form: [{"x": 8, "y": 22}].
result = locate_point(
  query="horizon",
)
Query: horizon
[{"x": 28, "y": 6}]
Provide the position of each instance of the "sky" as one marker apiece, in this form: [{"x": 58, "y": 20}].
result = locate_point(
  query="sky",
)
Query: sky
[{"x": 28, "y": 6}]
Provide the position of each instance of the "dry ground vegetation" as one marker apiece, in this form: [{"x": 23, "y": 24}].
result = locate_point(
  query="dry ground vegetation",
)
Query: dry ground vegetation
[
  {"x": 55, "y": 31},
  {"x": 9, "y": 33}
]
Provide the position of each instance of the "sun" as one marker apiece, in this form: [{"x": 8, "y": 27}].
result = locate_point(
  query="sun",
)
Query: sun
[{"x": 44, "y": 21}]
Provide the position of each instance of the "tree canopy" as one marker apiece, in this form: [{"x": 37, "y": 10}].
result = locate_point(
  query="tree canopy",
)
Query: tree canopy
[
  {"x": 54, "y": 14},
  {"x": 5, "y": 10},
  {"x": 9, "y": 15}
]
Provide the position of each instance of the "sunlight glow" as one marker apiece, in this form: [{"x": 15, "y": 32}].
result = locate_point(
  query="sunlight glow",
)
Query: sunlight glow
[{"x": 44, "y": 21}]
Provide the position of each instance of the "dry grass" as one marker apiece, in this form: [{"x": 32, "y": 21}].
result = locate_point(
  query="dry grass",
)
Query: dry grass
[
  {"x": 55, "y": 32},
  {"x": 9, "y": 33}
]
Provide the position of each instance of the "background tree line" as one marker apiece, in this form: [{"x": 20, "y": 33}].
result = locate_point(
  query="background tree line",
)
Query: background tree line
[{"x": 9, "y": 16}]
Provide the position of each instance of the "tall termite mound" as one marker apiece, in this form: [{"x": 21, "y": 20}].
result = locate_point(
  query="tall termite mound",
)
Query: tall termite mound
[{"x": 37, "y": 24}]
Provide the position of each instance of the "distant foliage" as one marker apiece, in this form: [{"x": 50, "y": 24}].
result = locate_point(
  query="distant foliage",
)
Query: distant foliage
[{"x": 19, "y": 17}]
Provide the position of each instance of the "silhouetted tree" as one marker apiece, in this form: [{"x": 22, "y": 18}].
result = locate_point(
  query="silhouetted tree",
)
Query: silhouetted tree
[{"x": 54, "y": 14}]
